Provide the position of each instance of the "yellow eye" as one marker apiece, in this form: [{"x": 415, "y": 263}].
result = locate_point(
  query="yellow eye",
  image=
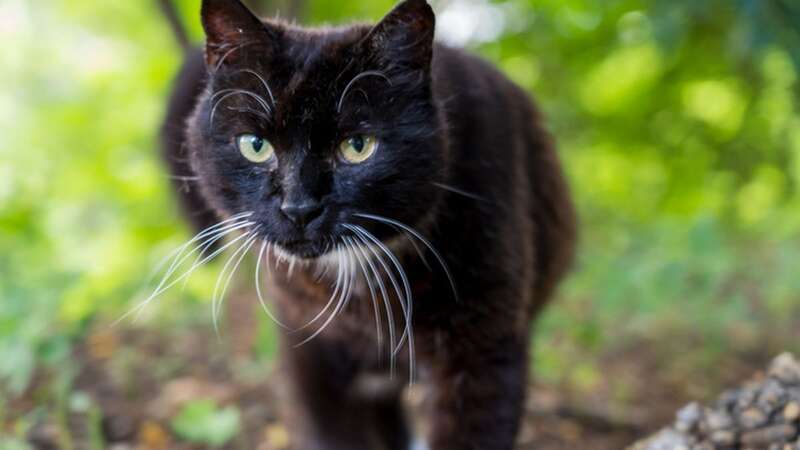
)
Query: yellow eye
[
  {"x": 254, "y": 148},
  {"x": 358, "y": 149}
]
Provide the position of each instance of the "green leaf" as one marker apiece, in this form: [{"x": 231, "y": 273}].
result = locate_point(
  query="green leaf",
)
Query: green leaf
[{"x": 203, "y": 422}]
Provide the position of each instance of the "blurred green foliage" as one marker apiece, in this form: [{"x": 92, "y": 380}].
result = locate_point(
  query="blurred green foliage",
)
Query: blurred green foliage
[
  {"x": 201, "y": 421},
  {"x": 677, "y": 120}
]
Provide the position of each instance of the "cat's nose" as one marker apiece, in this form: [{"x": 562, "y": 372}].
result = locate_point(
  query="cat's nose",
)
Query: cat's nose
[{"x": 301, "y": 213}]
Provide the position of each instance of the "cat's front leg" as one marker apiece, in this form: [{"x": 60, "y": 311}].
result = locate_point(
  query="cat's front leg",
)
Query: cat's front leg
[
  {"x": 335, "y": 406},
  {"x": 320, "y": 375},
  {"x": 479, "y": 396}
]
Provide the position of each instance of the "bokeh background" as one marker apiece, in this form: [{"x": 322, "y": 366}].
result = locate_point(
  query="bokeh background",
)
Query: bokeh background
[{"x": 677, "y": 120}]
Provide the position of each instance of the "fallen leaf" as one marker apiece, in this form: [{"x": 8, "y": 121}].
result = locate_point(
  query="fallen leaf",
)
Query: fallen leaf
[
  {"x": 102, "y": 344},
  {"x": 152, "y": 436},
  {"x": 277, "y": 436}
]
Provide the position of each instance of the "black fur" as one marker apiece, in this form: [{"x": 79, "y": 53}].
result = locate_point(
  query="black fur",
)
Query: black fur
[{"x": 462, "y": 158}]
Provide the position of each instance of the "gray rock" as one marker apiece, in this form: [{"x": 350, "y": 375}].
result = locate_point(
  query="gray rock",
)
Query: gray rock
[
  {"x": 718, "y": 420},
  {"x": 687, "y": 418},
  {"x": 772, "y": 396},
  {"x": 770, "y": 435},
  {"x": 786, "y": 369},
  {"x": 760, "y": 415},
  {"x": 752, "y": 418}
]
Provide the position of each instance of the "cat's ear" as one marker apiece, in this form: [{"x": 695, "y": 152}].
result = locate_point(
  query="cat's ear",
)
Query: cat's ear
[
  {"x": 405, "y": 35},
  {"x": 229, "y": 25}
]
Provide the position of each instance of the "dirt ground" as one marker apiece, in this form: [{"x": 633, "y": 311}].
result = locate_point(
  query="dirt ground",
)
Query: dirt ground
[{"x": 139, "y": 379}]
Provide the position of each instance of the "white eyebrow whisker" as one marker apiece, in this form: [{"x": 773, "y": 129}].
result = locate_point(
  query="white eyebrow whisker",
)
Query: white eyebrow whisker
[
  {"x": 263, "y": 82},
  {"x": 368, "y": 73}
]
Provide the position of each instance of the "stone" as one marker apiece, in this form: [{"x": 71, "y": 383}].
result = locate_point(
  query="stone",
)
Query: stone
[
  {"x": 766, "y": 436},
  {"x": 752, "y": 418},
  {"x": 773, "y": 395},
  {"x": 791, "y": 411},
  {"x": 687, "y": 418},
  {"x": 723, "y": 437},
  {"x": 718, "y": 420},
  {"x": 786, "y": 369},
  {"x": 762, "y": 414}
]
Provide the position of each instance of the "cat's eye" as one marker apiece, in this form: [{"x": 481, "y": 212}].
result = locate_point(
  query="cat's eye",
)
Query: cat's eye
[
  {"x": 358, "y": 149},
  {"x": 255, "y": 148}
]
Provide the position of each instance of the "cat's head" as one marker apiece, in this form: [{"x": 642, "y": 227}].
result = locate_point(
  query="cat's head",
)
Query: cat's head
[{"x": 306, "y": 128}]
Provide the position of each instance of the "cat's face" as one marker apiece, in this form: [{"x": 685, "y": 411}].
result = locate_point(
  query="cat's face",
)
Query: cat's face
[{"x": 305, "y": 128}]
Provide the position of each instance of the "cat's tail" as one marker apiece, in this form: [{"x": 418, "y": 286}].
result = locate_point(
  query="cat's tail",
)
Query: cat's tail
[{"x": 174, "y": 20}]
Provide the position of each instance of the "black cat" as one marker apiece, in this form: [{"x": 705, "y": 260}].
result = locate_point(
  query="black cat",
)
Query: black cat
[{"x": 401, "y": 192}]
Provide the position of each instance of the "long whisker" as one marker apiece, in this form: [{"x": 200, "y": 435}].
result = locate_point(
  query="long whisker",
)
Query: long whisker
[
  {"x": 202, "y": 248},
  {"x": 351, "y": 264},
  {"x": 261, "y": 300},
  {"x": 216, "y": 297},
  {"x": 407, "y": 305},
  {"x": 231, "y": 51},
  {"x": 369, "y": 73},
  {"x": 422, "y": 239},
  {"x": 178, "y": 259},
  {"x": 199, "y": 236},
  {"x": 339, "y": 280},
  {"x": 416, "y": 249},
  {"x": 366, "y": 238},
  {"x": 227, "y": 93},
  {"x": 248, "y": 245},
  {"x": 263, "y": 82},
  {"x": 340, "y": 304},
  {"x": 177, "y": 255},
  {"x": 186, "y": 274},
  {"x": 368, "y": 280},
  {"x": 384, "y": 295},
  {"x": 461, "y": 192},
  {"x": 244, "y": 253}
]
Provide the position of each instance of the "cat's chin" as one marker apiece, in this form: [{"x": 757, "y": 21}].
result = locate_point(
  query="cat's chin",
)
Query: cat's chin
[{"x": 308, "y": 250}]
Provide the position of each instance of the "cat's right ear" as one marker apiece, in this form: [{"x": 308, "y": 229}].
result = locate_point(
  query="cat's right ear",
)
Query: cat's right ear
[
  {"x": 405, "y": 36},
  {"x": 229, "y": 26}
]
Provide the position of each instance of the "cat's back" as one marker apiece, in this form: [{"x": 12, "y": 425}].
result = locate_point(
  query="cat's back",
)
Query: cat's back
[
  {"x": 473, "y": 92},
  {"x": 501, "y": 152}
]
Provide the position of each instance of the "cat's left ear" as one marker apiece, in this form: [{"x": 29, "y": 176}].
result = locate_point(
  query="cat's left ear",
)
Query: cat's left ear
[
  {"x": 405, "y": 35},
  {"x": 229, "y": 25}
]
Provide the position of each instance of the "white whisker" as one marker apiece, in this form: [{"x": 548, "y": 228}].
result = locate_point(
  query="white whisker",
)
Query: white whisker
[
  {"x": 422, "y": 239},
  {"x": 203, "y": 247},
  {"x": 369, "y": 73},
  {"x": 261, "y": 255},
  {"x": 384, "y": 295},
  {"x": 263, "y": 82},
  {"x": 225, "y": 225},
  {"x": 216, "y": 231},
  {"x": 462, "y": 192},
  {"x": 371, "y": 288},
  {"x": 216, "y": 300},
  {"x": 406, "y": 303},
  {"x": 228, "y": 93},
  {"x": 186, "y": 274},
  {"x": 340, "y": 304},
  {"x": 339, "y": 280}
]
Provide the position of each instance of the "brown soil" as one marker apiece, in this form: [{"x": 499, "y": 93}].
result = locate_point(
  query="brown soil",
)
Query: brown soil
[{"x": 138, "y": 379}]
